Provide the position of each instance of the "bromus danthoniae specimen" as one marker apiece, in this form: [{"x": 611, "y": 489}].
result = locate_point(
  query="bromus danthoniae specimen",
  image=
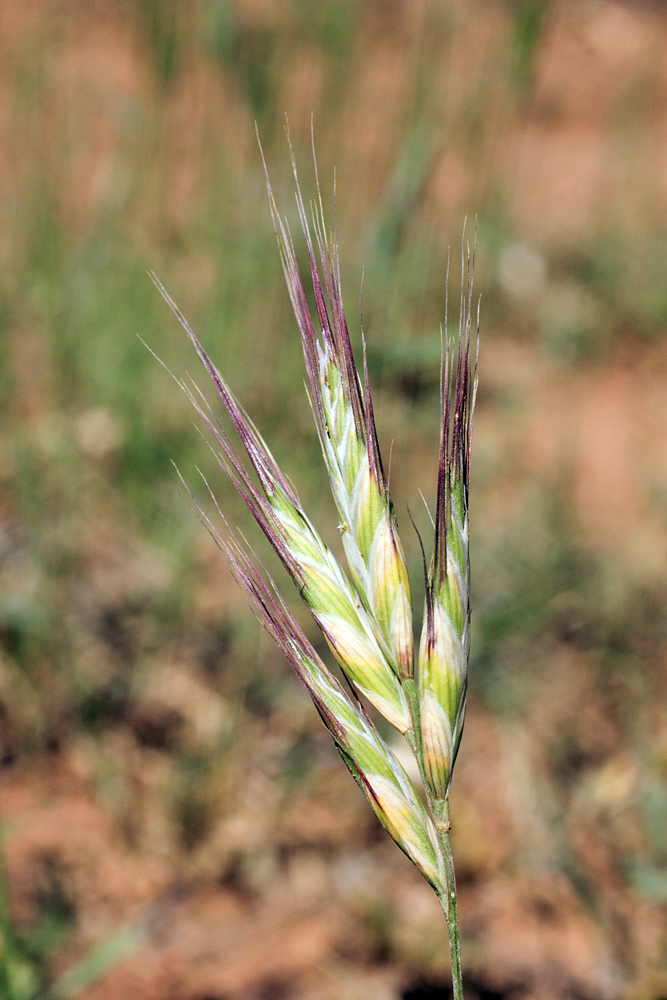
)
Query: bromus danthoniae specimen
[{"x": 365, "y": 614}]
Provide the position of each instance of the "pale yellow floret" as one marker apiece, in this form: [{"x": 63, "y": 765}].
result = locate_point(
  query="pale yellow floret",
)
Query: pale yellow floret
[
  {"x": 437, "y": 744},
  {"x": 442, "y": 663},
  {"x": 405, "y": 826},
  {"x": 363, "y": 661},
  {"x": 401, "y": 632}
]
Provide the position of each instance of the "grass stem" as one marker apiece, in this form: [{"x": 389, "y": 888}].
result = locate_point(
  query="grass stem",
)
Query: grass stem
[{"x": 448, "y": 900}]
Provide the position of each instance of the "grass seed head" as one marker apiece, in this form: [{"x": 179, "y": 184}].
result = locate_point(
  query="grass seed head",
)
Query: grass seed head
[{"x": 367, "y": 621}]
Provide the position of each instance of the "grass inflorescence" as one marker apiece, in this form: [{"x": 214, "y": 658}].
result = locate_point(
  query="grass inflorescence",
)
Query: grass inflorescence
[{"x": 365, "y": 614}]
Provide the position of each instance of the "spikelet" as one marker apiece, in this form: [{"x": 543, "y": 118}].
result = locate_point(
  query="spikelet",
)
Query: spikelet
[
  {"x": 332, "y": 600},
  {"x": 343, "y": 413},
  {"x": 371, "y": 762},
  {"x": 445, "y": 639}
]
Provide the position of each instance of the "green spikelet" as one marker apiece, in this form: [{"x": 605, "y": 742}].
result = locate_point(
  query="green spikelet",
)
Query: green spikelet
[
  {"x": 346, "y": 624},
  {"x": 445, "y": 639},
  {"x": 344, "y": 417},
  {"x": 372, "y": 546},
  {"x": 373, "y": 765}
]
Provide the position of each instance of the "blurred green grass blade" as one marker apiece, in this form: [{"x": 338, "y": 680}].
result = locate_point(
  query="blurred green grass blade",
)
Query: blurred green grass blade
[
  {"x": 648, "y": 879},
  {"x": 409, "y": 177},
  {"x": 528, "y": 17},
  {"x": 161, "y": 27},
  {"x": 100, "y": 961},
  {"x": 6, "y": 932}
]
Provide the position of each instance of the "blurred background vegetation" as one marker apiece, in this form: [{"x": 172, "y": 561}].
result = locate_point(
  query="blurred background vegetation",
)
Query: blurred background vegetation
[{"x": 172, "y": 808}]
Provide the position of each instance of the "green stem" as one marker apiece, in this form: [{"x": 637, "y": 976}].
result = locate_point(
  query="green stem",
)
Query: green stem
[
  {"x": 6, "y": 937},
  {"x": 414, "y": 734},
  {"x": 440, "y": 809},
  {"x": 448, "y": 898}
]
